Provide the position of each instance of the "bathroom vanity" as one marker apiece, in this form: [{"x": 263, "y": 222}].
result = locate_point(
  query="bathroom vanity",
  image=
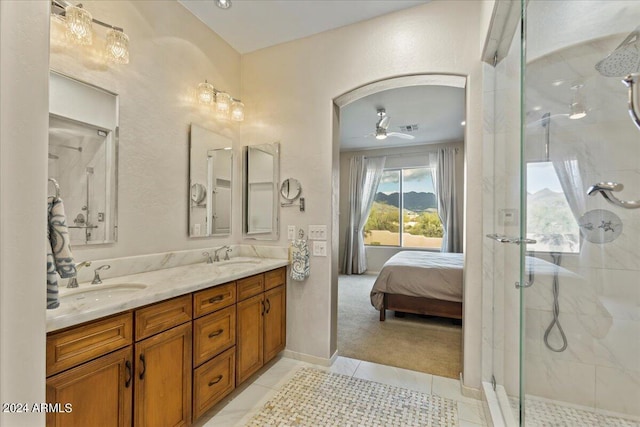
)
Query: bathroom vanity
[{"x": 167, "y": 362}]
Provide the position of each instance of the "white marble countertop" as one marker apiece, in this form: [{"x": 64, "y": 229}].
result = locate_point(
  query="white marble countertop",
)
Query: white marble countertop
[{"x": 160, "y": 285}]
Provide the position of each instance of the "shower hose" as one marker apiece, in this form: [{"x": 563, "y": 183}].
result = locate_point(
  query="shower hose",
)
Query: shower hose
[{"x": 556, "y": 309}]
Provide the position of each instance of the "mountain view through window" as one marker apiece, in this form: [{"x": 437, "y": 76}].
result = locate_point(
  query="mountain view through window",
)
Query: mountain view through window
[{"x": 405, "y": 200}]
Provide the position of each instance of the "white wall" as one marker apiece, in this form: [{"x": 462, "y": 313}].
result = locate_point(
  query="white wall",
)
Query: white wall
[
  {"x": 24, "y": 97},
  {"x": 171, "y": 52},
  {"x": 291, "y": 88},
  {"x": 378, "y": 255}
]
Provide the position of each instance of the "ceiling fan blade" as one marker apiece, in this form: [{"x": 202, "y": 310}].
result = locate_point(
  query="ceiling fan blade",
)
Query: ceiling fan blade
[
  {"x": 384, "y": 122},
  {"x": 401, "y": 135}
]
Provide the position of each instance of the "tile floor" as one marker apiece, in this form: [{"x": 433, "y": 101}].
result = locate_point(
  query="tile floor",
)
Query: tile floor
[{"x": 238, "y": 408}]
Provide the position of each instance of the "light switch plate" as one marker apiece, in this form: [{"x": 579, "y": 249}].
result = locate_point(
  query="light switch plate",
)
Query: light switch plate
[
  {"x": 318, "y": 232},
  {"x": 291, "y": 232},
  {"x": 319, "y": 248},
  {"x": 196, "y": 229},
  {"x": 508, "y": 217}
]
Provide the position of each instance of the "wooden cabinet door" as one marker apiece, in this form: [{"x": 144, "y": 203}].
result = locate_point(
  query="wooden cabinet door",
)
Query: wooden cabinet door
[
  {"x": 100, "y": 392},
  {"x": 163, "y": 379},
  {"x": 275, "y": 321},
  {"x": 250, "y": 320}
]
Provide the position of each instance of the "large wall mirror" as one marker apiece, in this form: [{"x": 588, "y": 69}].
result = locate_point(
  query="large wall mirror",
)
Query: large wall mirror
[
  {"x": 261, "y": 175},
  {"x": 83, "y": 154},
  {"x": 210, "y": 183}
]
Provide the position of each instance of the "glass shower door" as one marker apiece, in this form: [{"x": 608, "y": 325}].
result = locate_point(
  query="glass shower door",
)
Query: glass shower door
[{"x": 580, "y": 318}]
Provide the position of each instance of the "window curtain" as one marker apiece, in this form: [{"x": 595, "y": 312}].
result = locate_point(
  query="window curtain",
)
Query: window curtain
[
  {"x": 443, "y": 174},
  {"x": 364, "y": 177},
  {"x": 568, "y": 171}
]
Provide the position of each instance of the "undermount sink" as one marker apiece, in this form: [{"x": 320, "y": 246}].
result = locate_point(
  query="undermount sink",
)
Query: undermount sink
[
  {"x": 236, "y": 261},
  {"x": 105, "y": 292}
]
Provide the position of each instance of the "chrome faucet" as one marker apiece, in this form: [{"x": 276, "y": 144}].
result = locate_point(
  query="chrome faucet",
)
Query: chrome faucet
[
  {"x": 96, "y": 276},
  {"x": 208, "y": 255},
  {"x": 216, "y": 257},
  {"x": 73, "y": 282}
]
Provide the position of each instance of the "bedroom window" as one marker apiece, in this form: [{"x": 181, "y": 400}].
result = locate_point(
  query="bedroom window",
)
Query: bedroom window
[
  {"x": 405, "y": 200},
  {"x": 549, "y": 218}
]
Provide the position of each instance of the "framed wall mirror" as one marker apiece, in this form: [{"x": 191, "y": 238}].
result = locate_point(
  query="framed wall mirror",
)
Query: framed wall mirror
[
  {"x": 83, "y": 157},
  {"x": 260, "y": 207},
  {"x": 210, "y": 183}
]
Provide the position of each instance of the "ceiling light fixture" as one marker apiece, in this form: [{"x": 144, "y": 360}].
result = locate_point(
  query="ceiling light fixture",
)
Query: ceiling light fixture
[
  {"x": 223, "y": 4},
  {"x": 225, "y": 105},
  {"x": 578, "y": 109},
  {"x": 79, "y": 30}
]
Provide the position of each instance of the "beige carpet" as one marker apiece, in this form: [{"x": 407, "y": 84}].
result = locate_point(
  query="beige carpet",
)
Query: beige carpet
[{"x": 425, "y": 344}]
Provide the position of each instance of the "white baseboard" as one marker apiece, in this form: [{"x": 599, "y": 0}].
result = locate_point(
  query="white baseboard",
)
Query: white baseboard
[
  {"x": 469, "y": 391},
  {"x": 303, "y": 357}
]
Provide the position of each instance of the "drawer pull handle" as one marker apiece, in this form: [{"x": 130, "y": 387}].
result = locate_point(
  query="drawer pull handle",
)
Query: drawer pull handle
[
  {"x": 216, "y": 299},
  {"x": 216, "y": 381},
  {"x": 216, "y": 333},
  {"x": 127, "y": 366},
  {"x": 144, "y": 366},
  {"x": 263, "y": 308},
  {"x": 268, "y": 306}
]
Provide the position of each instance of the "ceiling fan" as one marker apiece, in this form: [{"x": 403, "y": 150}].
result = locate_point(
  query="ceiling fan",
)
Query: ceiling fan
[{"x": 383, "y": 124}]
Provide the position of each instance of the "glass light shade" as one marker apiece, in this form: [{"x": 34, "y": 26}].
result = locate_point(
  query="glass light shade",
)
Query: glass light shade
[
  {"x": 577, "y": 111},
  {"x": 205, "y": 93},
  {"x": 117, "y": 46},
  {"x": 223, "y": 4},
  {"x": 79, "y": 29},
  {"x": 237, "y": 111},
  {"x": 223, "y": 103}
]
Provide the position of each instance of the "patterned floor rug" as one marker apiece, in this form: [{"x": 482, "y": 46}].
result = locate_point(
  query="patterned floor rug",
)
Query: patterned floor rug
[{"x": 317, "y": 398}]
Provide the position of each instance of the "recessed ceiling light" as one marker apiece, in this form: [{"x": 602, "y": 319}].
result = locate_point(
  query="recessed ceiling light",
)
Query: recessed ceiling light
[
  {"x": 463, "y": 123},
  {"x": 223, "y": 4},
  {"x": 558, "y": 82}
]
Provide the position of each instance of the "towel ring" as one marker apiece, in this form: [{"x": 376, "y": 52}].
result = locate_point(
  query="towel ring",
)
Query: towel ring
[{"x": 55, "y": 184}]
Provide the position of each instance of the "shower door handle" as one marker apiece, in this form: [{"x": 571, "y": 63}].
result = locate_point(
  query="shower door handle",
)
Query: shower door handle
[{"x": 506, "y": 239}]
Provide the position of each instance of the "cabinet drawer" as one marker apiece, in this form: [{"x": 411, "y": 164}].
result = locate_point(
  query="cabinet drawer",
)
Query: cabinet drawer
[
  {"x": 210, "y": 300},
  {"x": 250, "y": 286},
  {"x": 86, "y": 342},
  {"x": 213, "y": 381},
  {"x": 213, "y": 333},
  {"x": 275, "y": 278},
  {"x": 162, "y": 316}
]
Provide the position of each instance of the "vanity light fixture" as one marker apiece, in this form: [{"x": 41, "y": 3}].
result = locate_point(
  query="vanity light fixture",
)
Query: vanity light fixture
[
  {"x": 223, "y": 4},
  {"x": 79, "y": 30},
  {"x": 225, "y": 105},
  {"x": 578, "y": 109}
]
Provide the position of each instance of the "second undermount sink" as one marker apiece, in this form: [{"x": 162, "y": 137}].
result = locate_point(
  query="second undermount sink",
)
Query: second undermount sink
[
  {"x": 104, "y": 292},
  {"x": 238, "y": 261}
]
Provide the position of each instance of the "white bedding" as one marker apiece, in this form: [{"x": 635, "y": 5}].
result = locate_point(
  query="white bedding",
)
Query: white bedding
[{"x": 434, "y": 275}]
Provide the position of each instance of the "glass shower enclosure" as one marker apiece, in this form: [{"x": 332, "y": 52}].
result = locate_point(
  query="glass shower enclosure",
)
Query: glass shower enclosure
[{"x": 562, "y": 188}]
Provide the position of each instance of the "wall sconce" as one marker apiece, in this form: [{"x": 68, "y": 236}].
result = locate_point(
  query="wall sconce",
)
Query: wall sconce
[
  {"x": 79, "y": 30},
  {"x": 225, "y": 105}
]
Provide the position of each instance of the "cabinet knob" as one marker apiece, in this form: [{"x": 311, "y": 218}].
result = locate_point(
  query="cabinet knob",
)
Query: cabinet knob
[
  {"x": 216, "y": 299},
  {"x": 216, "y": 333},
  {"x": 215, "y": 381}
]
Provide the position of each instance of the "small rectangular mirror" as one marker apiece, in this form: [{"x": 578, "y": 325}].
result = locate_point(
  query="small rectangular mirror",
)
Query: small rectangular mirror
[
  {"x": 210, "y": 183},
  {"x": 83, "y": 140},
  {"x": 261, "y": 170}
]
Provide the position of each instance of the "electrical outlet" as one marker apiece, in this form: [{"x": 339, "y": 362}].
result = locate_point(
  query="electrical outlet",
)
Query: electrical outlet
[
  {"x": 318, "y": 232},
  {"x": 319, "y": 248},
  {"x": 508, "y": 217},
  {"x": 291, "y": 232},
  {"x": 196, "y": 229}
]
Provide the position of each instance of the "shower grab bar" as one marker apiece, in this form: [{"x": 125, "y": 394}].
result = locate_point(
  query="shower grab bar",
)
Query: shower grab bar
[
  {"x": 630, "y": 81},
  {"x": 607, "y": 189},
  {"x": 506, "y": 239},
  {"x": 55, "y": 184}
]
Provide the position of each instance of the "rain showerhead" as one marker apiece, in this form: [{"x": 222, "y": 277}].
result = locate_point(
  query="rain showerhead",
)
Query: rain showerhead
[{"x": 624, "y": 60}]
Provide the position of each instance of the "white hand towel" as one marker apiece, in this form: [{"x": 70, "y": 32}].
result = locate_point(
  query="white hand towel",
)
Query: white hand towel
[
  {"x": 59, "y": 256},
  {"x": 300, "y": 263}
]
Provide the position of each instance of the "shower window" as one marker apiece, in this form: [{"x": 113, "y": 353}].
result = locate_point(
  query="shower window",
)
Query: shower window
[
  {"x": 549, "y": 218},
  {"x": 405, "y": 200}
]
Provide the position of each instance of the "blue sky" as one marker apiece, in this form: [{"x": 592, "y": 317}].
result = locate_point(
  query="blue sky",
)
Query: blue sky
[{"x": 541, "y": 175}]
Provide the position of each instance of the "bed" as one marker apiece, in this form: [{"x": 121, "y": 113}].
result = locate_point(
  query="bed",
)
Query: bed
[{"x": 420, "y": 282}]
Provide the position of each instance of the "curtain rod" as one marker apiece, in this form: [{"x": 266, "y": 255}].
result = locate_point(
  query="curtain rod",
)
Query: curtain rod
[{"x": 413, "y": 153}]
